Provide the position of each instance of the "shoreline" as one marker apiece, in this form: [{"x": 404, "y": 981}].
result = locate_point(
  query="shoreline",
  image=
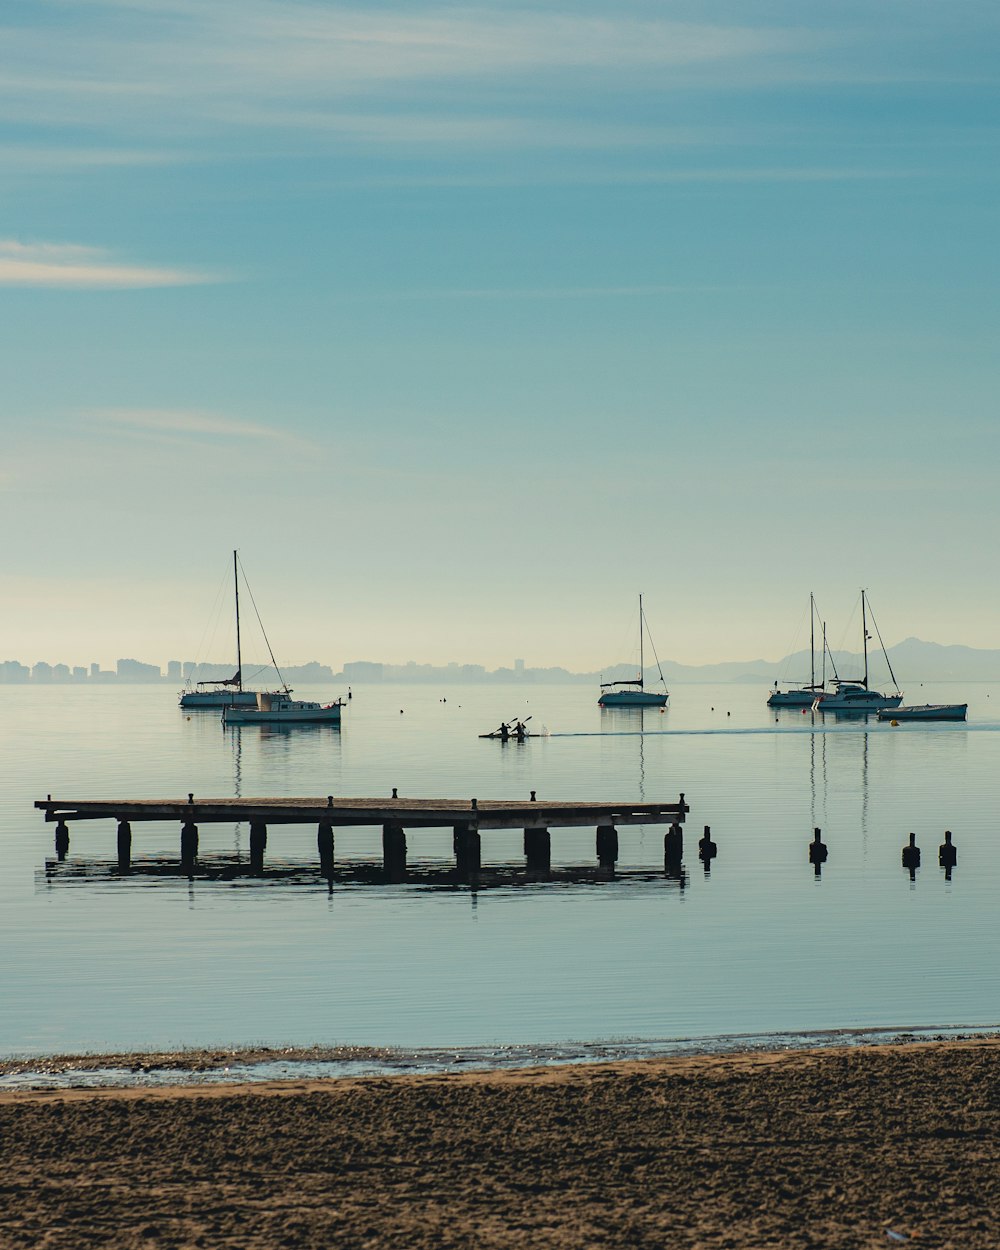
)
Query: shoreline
[
  {"x": 834, "y": 1147},
  {"x": 229, "y": 1062}
]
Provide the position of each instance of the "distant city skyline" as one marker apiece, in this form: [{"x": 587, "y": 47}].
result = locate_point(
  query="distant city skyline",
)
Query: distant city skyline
[
  {"x": 916, "y": 658},
  {"x": 467, "y": 323}
]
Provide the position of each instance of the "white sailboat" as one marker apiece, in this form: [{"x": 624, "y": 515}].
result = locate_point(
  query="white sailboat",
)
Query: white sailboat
[
  {"x": 804, "y": 696},
  {"x": 854, "y": 695},
  {"x": 634, "y": 693},
  {"x": 277, "y": 707},
  {"x": 230, "y": 692}
]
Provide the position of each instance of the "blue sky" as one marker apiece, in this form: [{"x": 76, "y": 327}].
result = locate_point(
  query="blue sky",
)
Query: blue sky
[{"x": 467, "y": 322}]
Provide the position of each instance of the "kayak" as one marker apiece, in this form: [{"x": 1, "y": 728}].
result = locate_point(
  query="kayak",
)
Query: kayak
[{"x": 510, "y": 737}]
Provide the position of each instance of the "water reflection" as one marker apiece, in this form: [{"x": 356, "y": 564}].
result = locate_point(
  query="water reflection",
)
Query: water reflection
[{"x": 227, "y": 869}]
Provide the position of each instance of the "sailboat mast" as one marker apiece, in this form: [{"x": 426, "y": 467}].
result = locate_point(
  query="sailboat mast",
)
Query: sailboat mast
[
  {"x": 812, "y": 642},
  {"x": 239, "y": 657},
  {"x": 641, "y": 678},
  {"x": 824, "y": 655},
  {"x": 864, "y": 636}
]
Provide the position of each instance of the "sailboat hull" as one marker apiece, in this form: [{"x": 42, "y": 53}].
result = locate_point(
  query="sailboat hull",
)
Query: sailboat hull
[
  {"x": 857, "y": 699},
  {"x": 218, "y": 698},
  {"x": 632, "y": 698},
  {"x": 793, "y": 698},
  {"x": 287, "y": 712}
]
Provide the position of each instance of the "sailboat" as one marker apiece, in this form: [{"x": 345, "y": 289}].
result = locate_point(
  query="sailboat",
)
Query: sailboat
[
  {"x": 853, "y": 695},
  {"x": 277, "y": 707},
  {"x": 634, "y": 694},
  {"x": 231, "y": 693},
  {"x": 804, "y": 696}
]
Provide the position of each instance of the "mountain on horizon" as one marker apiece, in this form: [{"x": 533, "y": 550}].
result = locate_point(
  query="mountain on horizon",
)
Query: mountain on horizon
[{"x": 913, "y": 659}]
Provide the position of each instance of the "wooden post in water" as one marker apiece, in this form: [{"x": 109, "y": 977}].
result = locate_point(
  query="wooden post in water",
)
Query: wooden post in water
[
  {"x": 324, "y": 844},
  {"x": 258, "y": 845},
  {"x": 189, "y": 843},
  {"x": 394, "y": 852},
  {"x": 468, "y": 849},
  {"x": 607, "y": 846},
  {"x": 538, "y": 850},
  {"x": 124, "y": 845},
  {"x": 62, "y": 840},
  {"x": 673, "y": 848}
]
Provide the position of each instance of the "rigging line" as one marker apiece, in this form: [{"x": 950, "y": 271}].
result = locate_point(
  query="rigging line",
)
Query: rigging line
[
  {"x": 263, "y": 630},
  {"x": 882, "y": 645},
  {"x": 653, "y": 645}
]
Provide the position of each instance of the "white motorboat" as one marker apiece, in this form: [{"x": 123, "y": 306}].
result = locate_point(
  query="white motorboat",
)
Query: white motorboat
[
  {"x": 632, "y": 692},
  {"x": 231, "y": 692},
  {"x": 280, "y": 709},
  {"x": 855, "y": 695},
  {"x": 925, "y": 711}
]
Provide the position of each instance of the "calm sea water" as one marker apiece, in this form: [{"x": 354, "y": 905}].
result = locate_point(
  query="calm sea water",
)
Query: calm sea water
[{"x": 93, "y": 961}]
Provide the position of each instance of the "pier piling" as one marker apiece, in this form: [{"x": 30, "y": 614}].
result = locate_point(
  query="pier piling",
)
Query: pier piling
[
  {"x": 62, "y": 840},
  {"x": 189, "y": 843},
  {"x": 258, "y": 844},
  {"x": 124, "y": 845},
  {"x": 607, "y": 846},
  {"x": 538, "y": 850},
  {"x": 324, "y": 844},
  {"x": 468, "y": 849},
  {"x": 673, "y": 848},
  {"x": 394, "y": 852}
]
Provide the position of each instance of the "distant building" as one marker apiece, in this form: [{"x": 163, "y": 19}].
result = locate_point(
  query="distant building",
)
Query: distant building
[
  {"x": 13, "y": 672},
  {"x": 362, "y": 670},
  {"x": 61, "y": 673},
  {"x": 174, "y": 670},
  {"x": 79, "y": 673},
  {"x": 41, "y": 671},
  {"x": 189, "y": 667},
  {"x": 519, "y": 667},
  {"x": 136, "y": 670},
  {"x": 95, "y": 671}
]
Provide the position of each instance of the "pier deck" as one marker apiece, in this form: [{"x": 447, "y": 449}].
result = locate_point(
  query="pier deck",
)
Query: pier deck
[{"x": 467, "y": 817}]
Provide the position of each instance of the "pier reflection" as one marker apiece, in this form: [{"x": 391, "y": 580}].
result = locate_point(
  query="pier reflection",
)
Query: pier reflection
[{"x": 229, "y": 869}]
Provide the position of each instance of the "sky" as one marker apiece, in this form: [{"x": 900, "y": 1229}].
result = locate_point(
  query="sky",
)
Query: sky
[{"x": 467, "y": 323}]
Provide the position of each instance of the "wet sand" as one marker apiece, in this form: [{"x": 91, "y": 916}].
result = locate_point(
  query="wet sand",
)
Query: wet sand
[{"x": 847, "y": 1147}]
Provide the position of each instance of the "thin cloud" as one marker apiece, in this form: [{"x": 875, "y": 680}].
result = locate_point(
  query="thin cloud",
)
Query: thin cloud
[
  {"x": 185, "y": 421},
  {"x": 15, "y": 158},
  {"x": 541, "y": 293},
  {"x": 182, "y": 66},
  {"x": 72, "y": 266}
]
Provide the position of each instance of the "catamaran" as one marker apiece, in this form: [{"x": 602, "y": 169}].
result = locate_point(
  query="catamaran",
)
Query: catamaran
[
  {"x": 854, "y": 695},
  {"x": 635, "y": 694},
  {"x": 805, "y": 696},
  {"x": 231, "y": 693}
]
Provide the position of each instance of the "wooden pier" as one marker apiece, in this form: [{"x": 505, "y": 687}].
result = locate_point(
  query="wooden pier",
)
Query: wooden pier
[{"x": 394, "y": 816}]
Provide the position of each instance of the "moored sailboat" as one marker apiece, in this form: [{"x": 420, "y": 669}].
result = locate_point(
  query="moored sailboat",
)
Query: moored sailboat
[
  {"x": 634, "y": 693},
  {"x": 277, "y": 707},
  {"x": 854, "y": 695},
  {"x": 231, "y": 693},
  {"x": 804, "y": 696}
]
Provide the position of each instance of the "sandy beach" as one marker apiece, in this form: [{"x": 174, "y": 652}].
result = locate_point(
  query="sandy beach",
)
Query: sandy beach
[{"x": 849, "y": 1147}]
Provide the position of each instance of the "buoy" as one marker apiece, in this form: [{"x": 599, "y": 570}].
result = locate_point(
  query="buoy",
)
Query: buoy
[{"x": 894, "y": 722}]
